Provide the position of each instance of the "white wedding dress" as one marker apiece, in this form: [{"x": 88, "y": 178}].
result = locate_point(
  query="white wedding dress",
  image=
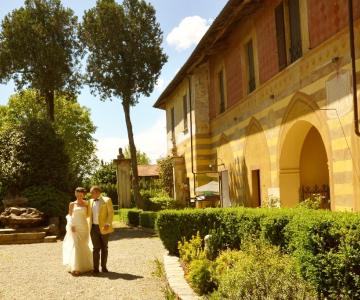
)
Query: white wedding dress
[{"x": 77, "y": 255}]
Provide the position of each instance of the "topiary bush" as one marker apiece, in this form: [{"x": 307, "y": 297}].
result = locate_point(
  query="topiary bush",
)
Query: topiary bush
[
  {"x": 134, "y": 217},
  {"x": 147, "y": 219},
  {"x": 130, "y": 216},
  {"x": 48, "y": 199},
  {"x": 236, "y": 224},
  {"x": 175, "y": 225}
]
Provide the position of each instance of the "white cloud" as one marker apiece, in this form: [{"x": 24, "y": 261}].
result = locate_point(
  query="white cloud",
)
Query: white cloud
[
  {"x": 151, "y": 141},
  {"x": 107, "y": 148},
  {"x": 160, "y": 84},
  {"x": 188, "y": 33}
]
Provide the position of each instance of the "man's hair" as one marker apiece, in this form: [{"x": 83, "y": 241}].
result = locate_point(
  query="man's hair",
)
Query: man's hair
[
  {"x": 96, "y": 188},
  {"x": 80, "y": 190}
]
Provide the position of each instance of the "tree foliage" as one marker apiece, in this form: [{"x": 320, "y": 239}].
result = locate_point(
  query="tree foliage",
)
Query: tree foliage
[
  {"x": 32, "y": 154},
  {"x": 166, "y": 174},
  {"x": 105, "y": 173},
  {"x": 39, "y": 48},
  {"x": 125, "y": 57},
  {"x": 73, "y": 124},
  {"x": 141, "y": 157}
]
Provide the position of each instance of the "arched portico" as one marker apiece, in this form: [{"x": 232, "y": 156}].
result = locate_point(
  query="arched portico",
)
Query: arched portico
[
  {"x": 303, "y": 164},
  {"x": 304, "y": 160}
]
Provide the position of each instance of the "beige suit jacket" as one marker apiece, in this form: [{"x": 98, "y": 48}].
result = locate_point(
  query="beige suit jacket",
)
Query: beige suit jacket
[{"x": 106, "y": 213}]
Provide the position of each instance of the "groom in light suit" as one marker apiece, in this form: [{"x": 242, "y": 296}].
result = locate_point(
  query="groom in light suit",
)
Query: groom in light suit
[{"x": 100, "y": 215}]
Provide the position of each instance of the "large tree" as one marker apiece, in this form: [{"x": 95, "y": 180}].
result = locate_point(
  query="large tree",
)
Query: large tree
[
  {"x": 32, "y": 154},
  {"x": 39, "y": 48},
  {"x": 72, "y": 123},
  {"x": 125, "y": 57}
]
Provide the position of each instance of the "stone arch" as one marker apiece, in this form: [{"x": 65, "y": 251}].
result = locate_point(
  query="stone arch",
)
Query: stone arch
[
  {"x": 256, "y": 164},
  {"x": 303, "y": 120}
]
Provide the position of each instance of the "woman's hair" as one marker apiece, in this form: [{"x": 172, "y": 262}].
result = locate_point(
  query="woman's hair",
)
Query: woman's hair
[{"x": 80, "y": 190}]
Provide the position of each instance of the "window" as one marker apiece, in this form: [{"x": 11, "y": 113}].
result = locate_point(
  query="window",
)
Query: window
[
  {"x": 185, "y": 113},
  {"x": 295, "y": 30},
  {"x": 288, "y": 24},
  {"x": 172, "y": 120},
  {"x": 280, "y": 35},
  {"x": 221, "y": 91},
  {"x": 250, "y": 66}
]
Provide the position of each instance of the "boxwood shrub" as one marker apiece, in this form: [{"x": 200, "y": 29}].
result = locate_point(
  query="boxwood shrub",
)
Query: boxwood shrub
[
  {"x": 235, "y": 225},
  {"x": 147, "y": 219},
  {"x": 325, "y": 244},
  {"x": 130, "y": 216}
]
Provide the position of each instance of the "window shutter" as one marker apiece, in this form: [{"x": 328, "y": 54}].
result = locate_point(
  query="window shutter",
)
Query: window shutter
[
  {"x": 251, "y": 66},
  {"x": 221, "y": 91},
  {"x": 295, "y": 30},
  {"x": 280, "y": 35}
]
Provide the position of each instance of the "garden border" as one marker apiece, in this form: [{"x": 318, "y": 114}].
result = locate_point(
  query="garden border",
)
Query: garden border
[{"x": 176, "y": 279}]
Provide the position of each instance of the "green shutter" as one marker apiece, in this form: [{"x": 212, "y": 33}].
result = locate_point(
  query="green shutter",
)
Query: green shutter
[
  {"x": 280, "y": 35},
  {"x": 295, "y": 30},
  {"x": 221, "y": 91},
  {"x": 251, "y": 66}
]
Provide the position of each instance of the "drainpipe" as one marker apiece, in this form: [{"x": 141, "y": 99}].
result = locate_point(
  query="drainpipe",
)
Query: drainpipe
[{"x": 353, "y": 67}]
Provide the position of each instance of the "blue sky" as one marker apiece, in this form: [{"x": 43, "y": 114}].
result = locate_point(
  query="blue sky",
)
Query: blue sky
[{"x": 183, "y": 22}]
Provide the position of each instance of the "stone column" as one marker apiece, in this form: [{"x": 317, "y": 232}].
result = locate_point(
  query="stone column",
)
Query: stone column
[
  {"x": 123, "y": 181},
  {"x": 179, "y": 176}
]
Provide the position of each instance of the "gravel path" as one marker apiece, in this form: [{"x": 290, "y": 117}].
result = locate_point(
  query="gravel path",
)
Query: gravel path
[{"x": 35, "y": 271}]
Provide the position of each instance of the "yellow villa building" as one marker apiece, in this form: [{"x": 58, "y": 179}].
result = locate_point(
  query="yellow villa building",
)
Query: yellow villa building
[{"x": 265, "y": 105}]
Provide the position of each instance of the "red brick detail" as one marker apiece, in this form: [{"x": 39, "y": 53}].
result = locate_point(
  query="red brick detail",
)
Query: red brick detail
[
  {"x": 266, "y": 44},
  {"x": 233, "y": 76},
  {"x": 327, "y": 17}
]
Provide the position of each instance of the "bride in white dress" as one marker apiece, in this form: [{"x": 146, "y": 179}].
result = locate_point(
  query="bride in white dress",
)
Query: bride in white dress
[{"x": 77, "y": 255}]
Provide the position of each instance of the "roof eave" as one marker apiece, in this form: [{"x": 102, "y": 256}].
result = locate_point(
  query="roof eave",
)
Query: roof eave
[{"x": 197, "y": 53}]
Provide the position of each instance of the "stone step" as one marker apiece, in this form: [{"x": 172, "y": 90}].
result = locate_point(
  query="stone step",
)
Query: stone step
[
  {"x": 18, "y": 242},
  {"x": 50, "y": 239},
  {"x": 22, "y": 238},
  {"x": 26, "y": 230},
  {"x": 7, "y": 230}
]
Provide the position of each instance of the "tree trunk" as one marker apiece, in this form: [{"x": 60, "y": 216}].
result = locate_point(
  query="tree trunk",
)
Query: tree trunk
[
  {"x": 49, "y": 99},
  {"x": 135, "y": 182}
]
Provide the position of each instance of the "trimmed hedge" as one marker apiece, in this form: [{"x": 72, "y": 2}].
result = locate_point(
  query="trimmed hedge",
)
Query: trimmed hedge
[
  {"x": 236, "y": 224},
  {"x": 325, "y": 244},
  {"x": 130, "y": 216},
  {"x": 147, "y": 219}
]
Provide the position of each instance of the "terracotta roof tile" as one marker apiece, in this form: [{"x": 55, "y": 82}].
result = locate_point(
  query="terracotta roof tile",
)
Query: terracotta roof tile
[{"x": 148, "y": 170}]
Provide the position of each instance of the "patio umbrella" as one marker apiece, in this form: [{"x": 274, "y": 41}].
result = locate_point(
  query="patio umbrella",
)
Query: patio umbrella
[{"x": 212, "y": 186}]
